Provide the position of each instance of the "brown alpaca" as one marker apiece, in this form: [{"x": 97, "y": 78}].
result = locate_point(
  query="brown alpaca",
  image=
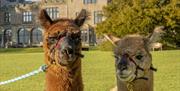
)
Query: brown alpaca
[
  {"x": 62, "y": 47},
  {"x": 133, "y": 61}
]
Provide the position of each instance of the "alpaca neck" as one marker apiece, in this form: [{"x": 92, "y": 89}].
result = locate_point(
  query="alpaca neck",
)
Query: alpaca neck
[
  {"x": 64, "y": 79},
  {"x": 137, "y": 85}
]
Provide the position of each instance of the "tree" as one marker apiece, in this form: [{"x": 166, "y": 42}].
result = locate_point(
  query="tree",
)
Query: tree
[{"x": 142, "y": 16}]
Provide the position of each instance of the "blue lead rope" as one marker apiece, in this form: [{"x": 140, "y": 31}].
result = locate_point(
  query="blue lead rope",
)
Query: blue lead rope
[{"x": 41, "y": 69}]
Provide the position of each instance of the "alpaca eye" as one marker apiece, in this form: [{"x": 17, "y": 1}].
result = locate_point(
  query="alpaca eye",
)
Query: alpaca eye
[
  {"x": 139, "y": 57},
  {"x": 52, "y": 40}
]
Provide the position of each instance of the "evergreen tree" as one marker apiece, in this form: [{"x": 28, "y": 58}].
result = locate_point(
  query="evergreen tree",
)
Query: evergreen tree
[{"x": 142, "y": 16}]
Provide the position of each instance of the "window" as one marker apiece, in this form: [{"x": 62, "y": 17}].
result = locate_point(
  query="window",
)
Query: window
[
  {"x": 88, "y": 36},
  {"x": 12, "y": 0},
  {"x": 89, "y": 1},
  {"x": 97, "y": 17},
  {"x": 7, "y": 17},
  {"x": 53, "y": 12},
  {"x": 91, "y": 36},
  {"x": 84, "y": 36},
  {"x": 37, "y": 36},
  {"x": 7, "y": 36},
  {"x": 21, "y": 1},
  {"x": 23, "y": 36},
  {"x": 27, "y": 17}
]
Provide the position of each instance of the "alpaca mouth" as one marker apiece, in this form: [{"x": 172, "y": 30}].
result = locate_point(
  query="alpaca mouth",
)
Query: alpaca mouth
[
  {"x": 126, "y": 76},
  {"x": 66, "y": 60},
  {"x": 67, "y": 57},
  {"x": 129, "y": 78}
]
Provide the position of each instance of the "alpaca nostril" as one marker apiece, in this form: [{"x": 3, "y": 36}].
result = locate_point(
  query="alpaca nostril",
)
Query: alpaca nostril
[
  {"x": 67, "y": 51},
  {"x": 70, "y": 51},
  {"x": 123, "y": 67}
]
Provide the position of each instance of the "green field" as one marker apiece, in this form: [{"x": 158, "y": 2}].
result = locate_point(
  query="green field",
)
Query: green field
[{"x": 98, "y": 70}]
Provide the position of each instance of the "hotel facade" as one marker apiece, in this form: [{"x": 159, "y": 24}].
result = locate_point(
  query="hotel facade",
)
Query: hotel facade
[{"x": 19, "y": 25}]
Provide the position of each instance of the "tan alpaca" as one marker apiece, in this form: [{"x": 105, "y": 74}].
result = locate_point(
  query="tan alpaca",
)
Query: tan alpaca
[
  {"x": 156, "y": 45},
  {"x": 133, "y": 61},
  {"x": 62, "y": 47}
]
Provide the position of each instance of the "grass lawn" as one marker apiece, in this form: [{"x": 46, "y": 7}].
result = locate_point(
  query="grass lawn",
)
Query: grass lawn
[{"x": 98, "y": 70}]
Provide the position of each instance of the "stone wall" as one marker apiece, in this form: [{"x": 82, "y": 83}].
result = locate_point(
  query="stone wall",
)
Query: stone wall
[{"x": 71, "y": 7}]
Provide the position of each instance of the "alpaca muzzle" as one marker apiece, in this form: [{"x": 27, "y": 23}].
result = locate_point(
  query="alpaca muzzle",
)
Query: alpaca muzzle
[{"x": 125, "y": 74}]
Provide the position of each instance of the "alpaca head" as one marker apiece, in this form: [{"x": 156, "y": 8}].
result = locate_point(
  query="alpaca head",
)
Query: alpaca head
[
  {"x": 62, "y": 38},
  {"x": 132, "y": 56}
]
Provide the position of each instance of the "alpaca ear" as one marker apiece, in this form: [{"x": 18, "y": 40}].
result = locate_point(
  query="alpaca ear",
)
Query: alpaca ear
[
  {"x": 80, "y": 19},
  {"x": 44, "y": 19},
  {"x": 156, "y": 35},
  {"x": 114, "y": 40}
]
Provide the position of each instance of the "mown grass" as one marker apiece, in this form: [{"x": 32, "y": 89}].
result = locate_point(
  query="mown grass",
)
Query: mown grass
[
  {"x": 167, "y": 78},
  {"x": 98, "y": 70},
  {"x": 21, "y": 50}
]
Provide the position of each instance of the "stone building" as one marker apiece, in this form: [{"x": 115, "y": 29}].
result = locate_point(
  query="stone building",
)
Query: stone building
[{"x": 19, "y": 24}]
